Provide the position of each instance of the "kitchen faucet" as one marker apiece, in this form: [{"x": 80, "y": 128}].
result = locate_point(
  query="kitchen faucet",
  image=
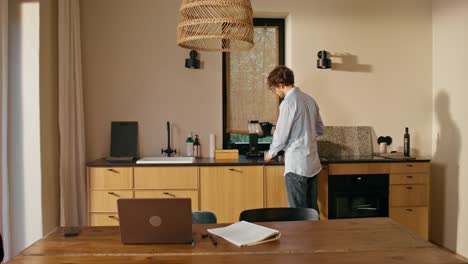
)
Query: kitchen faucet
[{"x": 168, "y": 151}]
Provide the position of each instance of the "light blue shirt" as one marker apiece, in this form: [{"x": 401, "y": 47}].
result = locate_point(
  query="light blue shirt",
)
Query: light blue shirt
[{"x": 299, "y": 124}]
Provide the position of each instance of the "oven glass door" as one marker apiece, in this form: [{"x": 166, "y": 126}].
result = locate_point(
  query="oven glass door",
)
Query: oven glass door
[{"x": 357, "y": 205}]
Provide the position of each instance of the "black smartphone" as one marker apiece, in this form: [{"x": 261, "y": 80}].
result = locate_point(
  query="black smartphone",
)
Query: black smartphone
[{"x": 71, "y": 231}]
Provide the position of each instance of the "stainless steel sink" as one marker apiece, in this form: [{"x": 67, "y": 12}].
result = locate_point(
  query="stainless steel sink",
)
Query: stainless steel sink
[{"x": 166, "y": 160}]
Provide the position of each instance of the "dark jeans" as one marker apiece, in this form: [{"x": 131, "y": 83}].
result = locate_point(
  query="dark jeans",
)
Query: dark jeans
[{"x": 301, "y": 191}]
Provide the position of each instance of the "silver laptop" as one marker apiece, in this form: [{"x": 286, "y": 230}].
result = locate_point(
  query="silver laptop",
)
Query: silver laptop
[{"x": 155, "y": 221}]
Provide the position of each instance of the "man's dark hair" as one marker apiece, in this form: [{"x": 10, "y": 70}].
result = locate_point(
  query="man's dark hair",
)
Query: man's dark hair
[{"x": 281, "y": 75}]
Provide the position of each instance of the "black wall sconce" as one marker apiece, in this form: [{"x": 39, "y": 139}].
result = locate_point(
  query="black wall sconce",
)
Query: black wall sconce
[
  {"x": 192, "y": 62},
  {"x": 323, "y": 61}
]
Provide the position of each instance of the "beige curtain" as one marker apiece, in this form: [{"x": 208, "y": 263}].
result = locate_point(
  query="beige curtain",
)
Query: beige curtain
[{"x": 71, "y": 119}]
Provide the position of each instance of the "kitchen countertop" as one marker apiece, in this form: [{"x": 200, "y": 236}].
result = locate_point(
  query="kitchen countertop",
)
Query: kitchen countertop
[{"x": 243, "y": 161}]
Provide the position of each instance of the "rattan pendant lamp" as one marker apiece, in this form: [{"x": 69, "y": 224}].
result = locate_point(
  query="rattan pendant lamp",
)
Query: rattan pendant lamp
[{"x": 215, "y": 25}]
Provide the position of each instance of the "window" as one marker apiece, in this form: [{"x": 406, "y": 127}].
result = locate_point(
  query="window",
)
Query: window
[{"x": 245, "y": 93}]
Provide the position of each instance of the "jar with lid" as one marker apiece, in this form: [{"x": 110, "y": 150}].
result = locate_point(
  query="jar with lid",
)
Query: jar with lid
[{"x": 254, "y": 127}]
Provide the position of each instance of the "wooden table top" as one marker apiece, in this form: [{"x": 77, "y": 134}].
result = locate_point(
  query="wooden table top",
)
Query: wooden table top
[{"x": 372, "y": 240}]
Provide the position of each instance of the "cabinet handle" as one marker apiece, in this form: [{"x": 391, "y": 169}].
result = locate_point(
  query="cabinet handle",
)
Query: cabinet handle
[
  {"x": 409, "y": 176},
  {"x": 409, "y": 165},
  {"x": 409, "y": 210},
  {"x": 113, "y": 193},
  {"x": 409, "y": 187},
  {"x": 113, "y": 217},
  {"x": 169, "y": 194},
  {"x": 235, "y": 170},
  {"x": 114, "y": 171}
]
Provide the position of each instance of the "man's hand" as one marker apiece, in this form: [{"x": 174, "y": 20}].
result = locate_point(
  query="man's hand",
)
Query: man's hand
[{"x": 267, "y": 157}]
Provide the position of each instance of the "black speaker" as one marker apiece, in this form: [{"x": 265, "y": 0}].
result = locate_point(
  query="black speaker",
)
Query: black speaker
[{"x": 124, "y": 141}]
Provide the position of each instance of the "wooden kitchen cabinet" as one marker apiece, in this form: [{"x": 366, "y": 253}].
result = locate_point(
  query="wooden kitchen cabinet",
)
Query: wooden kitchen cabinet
[
  {"x": 103, "y": 219},
  {"x": 414, "y": 218},
  {"x": 275, "y": 189},
  {"x": 409, "y": 178},
  {"x": 166, "y": 178},
  {"x": 192, "y": 194},
  {"x": 229, "y": 190},
  {"x": 409, "y": 196},
  {"x": 106, "y": 201},
  {"x": 114, "y": 178},
  {"x": 409, "y": 185},
  {"x": 107, "y": 184}
]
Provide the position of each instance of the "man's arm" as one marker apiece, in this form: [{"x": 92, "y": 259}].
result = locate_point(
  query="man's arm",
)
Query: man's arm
[
  {"x": 283, "y": 128},
  {"x": 319, "y": 124}
]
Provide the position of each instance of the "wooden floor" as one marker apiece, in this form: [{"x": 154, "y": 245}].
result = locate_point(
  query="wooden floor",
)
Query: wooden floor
[{"x": 378, "y": 240}]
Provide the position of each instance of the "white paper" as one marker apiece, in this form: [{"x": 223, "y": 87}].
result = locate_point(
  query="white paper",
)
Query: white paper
[
  {"x": 212, "y": 148},
  {"x": 245, "y": 233}
]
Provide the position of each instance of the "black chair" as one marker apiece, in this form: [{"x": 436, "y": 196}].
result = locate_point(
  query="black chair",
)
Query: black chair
[
  {"x": 203, "y": 217},
  {"x": 2, "y": 253},
  {"x": 279, "y": 214}
]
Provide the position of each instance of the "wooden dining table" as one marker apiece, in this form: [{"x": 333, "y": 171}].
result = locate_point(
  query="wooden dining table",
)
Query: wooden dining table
[{"x": 371, "y": 240}]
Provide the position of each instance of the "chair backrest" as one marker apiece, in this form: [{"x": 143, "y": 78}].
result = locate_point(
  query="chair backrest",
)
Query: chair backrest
[
  {"x": 2, "y": 253},
  {"x": 203, "y": 217},
  {"x": 279, "y": 214}
]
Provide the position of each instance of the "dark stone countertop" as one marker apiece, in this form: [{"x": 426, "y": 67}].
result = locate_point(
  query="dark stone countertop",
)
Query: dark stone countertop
[{"x": 243, "y": 161}]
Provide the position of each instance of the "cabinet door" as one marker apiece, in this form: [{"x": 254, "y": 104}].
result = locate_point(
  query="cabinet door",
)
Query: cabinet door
[
  {"x": 275, "y": 187},
  {"x": 322, "y": 195},
  {"x": 408, "y": 195},
  {"x": 101, "y": 219},
  {"x": 193, "y": 195},
  {"x": 227, "y": 191},
  {"x": 410, "y": 167},
  {"x": 414, "y": 218},
  {"x": 111, "y": 178},
  {"x": 409, "y": 178},
  {"x": 159, "y": 178},
  {"x": 106, "y": 201}
]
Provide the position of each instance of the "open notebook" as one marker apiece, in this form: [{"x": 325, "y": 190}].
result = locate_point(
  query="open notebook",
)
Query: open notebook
[{"x": 246, "y": 234}]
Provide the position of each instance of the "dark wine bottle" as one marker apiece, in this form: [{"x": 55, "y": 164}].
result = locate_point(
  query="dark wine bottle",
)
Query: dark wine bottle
[
  {"x": 196, "y": 147},
  {"x": 406, "y": 143}
]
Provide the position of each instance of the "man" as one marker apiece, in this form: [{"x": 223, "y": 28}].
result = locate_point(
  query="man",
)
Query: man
[{"x": 299, "y": 124}]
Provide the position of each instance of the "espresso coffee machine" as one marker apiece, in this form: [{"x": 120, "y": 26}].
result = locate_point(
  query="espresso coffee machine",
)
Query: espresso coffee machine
[{"x": 257, "y": 130}]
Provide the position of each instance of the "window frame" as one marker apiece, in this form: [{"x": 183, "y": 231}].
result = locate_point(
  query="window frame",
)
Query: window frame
[{"x": 277, "y": 22}]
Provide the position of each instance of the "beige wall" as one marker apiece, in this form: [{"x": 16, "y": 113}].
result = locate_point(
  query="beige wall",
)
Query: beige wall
[
  {"x": 133, "y": 70},
  {"x": 449, "y": 218},
  {"x": 384, "y": 77},
  {"x": 50, "y": 139}
]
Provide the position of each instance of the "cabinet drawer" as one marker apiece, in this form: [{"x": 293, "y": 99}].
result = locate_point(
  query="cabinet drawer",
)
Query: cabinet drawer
[
  {"x": 166, "y": 178},
  {"x": 100, "y": 219},
  {"x": 193, "y": 195},
  {"x": 409, "y": 178},
  {"x": 408, "y": 195},
  {"x": 410, "y": 167},
  {"x": 414, "y": 218},
  {"x": 110, "y": 178},
  {"x": 106, "y": 201},
  {"x": 231, "y": 170}
]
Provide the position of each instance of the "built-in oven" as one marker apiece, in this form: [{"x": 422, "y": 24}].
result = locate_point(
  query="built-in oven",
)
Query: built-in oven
[{"x": 358, "y": 196}]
